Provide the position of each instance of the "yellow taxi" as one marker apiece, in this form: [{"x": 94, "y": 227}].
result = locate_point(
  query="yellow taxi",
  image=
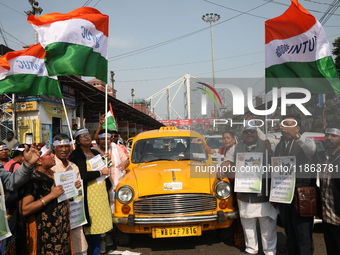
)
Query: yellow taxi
[{"x": 171, "y": 189}]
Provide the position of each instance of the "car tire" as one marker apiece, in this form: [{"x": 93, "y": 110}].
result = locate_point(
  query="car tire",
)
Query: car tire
[
  {"x": 123, "y": 239},
  {"x": 226, "y": 233}
]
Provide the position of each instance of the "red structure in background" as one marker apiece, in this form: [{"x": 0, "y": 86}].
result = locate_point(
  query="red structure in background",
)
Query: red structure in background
[{"x": 206, "y": 123}]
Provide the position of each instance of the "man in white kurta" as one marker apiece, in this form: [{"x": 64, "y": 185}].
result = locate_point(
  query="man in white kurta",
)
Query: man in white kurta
[{"x": 254, "y": 207}]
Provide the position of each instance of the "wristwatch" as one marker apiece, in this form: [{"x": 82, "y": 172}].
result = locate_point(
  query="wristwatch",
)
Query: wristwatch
[{"x": 297, "y": 136}]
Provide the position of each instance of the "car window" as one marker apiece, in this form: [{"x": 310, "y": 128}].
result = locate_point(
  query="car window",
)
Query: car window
[
  {"x": 167, "y": 148},
  {"x": 215, "y": 142},
  {"x": 129, "y": 143}
]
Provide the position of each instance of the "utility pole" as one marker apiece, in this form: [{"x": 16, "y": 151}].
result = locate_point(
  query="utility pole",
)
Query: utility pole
[
  {"x": 112, "y": 74},
  {"x": 132, "y": 97},
  {"x": 211, "y": 18}
]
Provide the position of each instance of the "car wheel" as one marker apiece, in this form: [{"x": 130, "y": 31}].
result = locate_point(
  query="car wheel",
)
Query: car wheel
[
  {"x": 123, "y": 238},
  {"x": 226, "y": 233}
]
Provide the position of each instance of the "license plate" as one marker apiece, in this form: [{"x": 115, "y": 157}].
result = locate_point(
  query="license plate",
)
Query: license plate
[{"x": 176, "y": 231}]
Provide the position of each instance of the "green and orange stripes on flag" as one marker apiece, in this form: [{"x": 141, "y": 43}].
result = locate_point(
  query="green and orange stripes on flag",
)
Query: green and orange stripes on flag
[
  {"x": 24, "y": 72},
  {"x": 76, "y": 43},
  {"x": 298, "y": 53},
  {"x": 110, "y": 121}
]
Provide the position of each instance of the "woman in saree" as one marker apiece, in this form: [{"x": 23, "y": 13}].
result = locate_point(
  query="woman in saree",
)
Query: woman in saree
[{"x": 47, "y": 222}]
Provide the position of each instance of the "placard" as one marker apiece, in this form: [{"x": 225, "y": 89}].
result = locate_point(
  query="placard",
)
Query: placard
[
  {"x": 67, "y": 180},
  {"x": 248, "y": 176},
  {"x": 77, "y": 209},
  {"x": 283, "y": 179},
  {"x": 4, "y": 228}
]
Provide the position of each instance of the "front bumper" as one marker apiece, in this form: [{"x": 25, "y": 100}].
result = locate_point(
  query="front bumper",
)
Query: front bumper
[{"x": 132, "y": 220}]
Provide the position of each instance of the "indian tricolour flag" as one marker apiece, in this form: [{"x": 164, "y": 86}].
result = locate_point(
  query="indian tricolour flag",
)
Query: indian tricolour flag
[
  {"x": 110, "y": 121},
  {"x": 298, "y": 53},
  {"x": 24, "y": 72},
  {"x": 76, "y": 43}
]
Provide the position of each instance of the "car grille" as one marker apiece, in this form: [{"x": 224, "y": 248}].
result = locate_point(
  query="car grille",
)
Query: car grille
[{"x": 174, "y": 204}]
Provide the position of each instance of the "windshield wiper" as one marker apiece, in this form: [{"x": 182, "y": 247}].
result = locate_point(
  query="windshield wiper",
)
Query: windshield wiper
[
  {"x": 192, "y": 159},
  {"x": 158, "y": 159},
  {"x": 180, "y": 158}
]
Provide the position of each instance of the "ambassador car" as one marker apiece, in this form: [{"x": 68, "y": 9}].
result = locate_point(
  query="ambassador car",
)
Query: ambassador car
[{"x": 171, "y": 189}]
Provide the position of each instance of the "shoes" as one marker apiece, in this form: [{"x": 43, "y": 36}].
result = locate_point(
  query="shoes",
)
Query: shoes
[
  {"x": 102, "y": 247},
  {"x": 108, "y": 240},
  {"x": 247, "y": 253}
]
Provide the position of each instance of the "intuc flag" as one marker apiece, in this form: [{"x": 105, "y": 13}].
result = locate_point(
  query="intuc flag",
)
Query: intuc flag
[
  {"x": 110, "y": 121},
  {"x": 76, "y": 43},
  {"x": 24, "y": 72},
  {"x": 297, "y": 48}
]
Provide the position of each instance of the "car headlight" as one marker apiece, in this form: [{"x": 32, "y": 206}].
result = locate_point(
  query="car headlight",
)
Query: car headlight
[
  {"x": 223, "y": 189},
  {"x": 125, "y": 194}
]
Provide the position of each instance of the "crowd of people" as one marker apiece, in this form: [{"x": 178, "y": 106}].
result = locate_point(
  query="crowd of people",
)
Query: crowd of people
[
  {"x": 256, "y": 208},
  {"x": 41, "y": 223},
  {"x": 38, "y": 221}
]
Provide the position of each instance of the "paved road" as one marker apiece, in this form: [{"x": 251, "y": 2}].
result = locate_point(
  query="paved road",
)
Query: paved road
[{"x": 207, "y": 244}]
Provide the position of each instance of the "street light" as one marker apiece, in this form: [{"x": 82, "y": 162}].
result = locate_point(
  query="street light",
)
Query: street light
[
  {"x": 36, "y": 11},
  {"x": 212, "y": 17}
]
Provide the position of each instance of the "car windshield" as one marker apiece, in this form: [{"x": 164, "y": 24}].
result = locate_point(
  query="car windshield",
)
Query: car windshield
[{"x": 167, "y": 148}]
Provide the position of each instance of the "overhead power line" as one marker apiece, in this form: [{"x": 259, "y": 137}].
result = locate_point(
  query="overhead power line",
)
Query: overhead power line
[
  {"x": 315, "y": 2},
  {"x": 2, "y": 34},
  {"x": 21, "y": 13},
  {"x": 188, "y": 63},
  {"x": 131, "y": 53},
  {"x": 87, "y": 2},
  {"x": 176, "y": 77},
  {"x": 310, "y": 10},
  {"x": 330, "y": 11},
  {"x": 225, "y": 7},
  {"x": 22, "y": 43}
]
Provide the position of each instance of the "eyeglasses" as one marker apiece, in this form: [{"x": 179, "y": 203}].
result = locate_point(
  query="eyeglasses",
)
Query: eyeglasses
[
  {"x": 246, "y": 132},
  {"x": 115, "y": 135},
  {"x": 85, "y": 135}
]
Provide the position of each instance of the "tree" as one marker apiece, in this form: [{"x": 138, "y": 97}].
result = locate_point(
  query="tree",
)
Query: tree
[{"x": 336, "y": 52}]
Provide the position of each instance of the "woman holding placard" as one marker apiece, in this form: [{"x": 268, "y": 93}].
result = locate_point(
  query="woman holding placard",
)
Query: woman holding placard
[
  {"x": 97, "y": 206},
  {"x": 47, "y": 222}
]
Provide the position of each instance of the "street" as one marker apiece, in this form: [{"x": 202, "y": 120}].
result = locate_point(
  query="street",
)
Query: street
[{"x": 207, "y": 244}]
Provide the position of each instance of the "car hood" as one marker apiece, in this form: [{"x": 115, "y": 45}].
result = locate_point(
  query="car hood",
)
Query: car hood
[{"x": 165, "y": 178}]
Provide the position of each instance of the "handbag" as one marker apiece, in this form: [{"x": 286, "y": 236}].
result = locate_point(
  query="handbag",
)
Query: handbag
[{"x": 307, "y": 201}]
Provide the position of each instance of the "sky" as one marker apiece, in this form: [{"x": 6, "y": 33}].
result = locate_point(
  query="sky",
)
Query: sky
[{"x": 153, "y": 43}]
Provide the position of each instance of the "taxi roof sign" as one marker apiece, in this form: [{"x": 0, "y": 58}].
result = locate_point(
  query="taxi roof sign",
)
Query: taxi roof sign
[{"x": 168, "y": 129}]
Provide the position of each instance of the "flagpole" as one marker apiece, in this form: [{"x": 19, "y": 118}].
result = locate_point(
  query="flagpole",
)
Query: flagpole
[
  {"x": 106, "y": 126},
  {"x": 266, "y": 133},
  {"x": 68, "y": 122}
]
